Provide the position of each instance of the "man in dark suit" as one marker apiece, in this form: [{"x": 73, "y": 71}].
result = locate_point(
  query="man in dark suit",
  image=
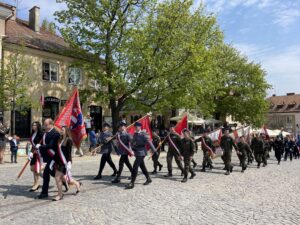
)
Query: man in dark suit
[{"x": 47, "y": 150}]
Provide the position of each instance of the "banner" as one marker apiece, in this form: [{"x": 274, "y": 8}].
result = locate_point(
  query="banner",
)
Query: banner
[
  {"x": 216, "y": 135},
  {"x": 181, "y": 125},
  {"x": 71, "y": 116}
]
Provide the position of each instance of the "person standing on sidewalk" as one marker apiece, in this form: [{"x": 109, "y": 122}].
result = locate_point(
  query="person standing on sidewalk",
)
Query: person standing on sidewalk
[{"x": 4, "y": 130}]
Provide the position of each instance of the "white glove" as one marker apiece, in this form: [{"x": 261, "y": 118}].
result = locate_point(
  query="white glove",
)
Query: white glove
[
  {"x": 30, "y": 155},
  {"x": 51, "y": 165},
  {"x": 69, "y": 165},
  {"x": 37, "y": 146}
]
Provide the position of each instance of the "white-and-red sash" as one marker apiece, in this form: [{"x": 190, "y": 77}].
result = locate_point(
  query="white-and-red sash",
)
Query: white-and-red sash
[
  {"x": 63, "y": 159},
  {"x": 124, "y": 147},
  {"x": 207, "y": 147},
  {"x": 37, "y": 165},
  {"x": 50, "y": 152},
  {"x": 173, "y": 144}
]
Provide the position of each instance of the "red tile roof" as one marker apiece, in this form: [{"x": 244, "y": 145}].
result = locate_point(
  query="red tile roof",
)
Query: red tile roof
[{"x": 284, "y": 104}]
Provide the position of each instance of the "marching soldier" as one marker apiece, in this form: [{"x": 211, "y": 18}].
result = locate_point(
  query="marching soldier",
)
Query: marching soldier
[
  {"x": 207, "y": 148},
  {"x": 187, "y": 150},
  {"x": 258, "y": 148},
  {"x": 266, "y": 150},
  {"x": 174, "y": 142},
  {"x": 124, "y": 149},
  {"x": 243, "y": 149},
  {"x": 140, "y": 140},
  {"x": 227, "y": 143},
  {"x": 105, "y": 141},
  {"x": 156, "y": 142},
  {"x": 278, "y": 148}
]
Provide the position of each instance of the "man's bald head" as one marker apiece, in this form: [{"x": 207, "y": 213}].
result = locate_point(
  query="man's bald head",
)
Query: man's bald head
[{"x": 48, "y": 124}]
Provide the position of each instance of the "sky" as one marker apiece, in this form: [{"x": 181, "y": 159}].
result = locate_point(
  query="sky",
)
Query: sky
[{"x": 266, "y": 31}]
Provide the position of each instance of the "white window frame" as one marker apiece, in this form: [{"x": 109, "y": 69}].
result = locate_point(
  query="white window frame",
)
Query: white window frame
[
  {"x": 69, "y": 74},
  {"x": 57, "y": 75}
]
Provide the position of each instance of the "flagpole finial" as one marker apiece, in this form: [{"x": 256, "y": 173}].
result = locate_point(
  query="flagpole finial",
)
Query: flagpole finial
[{"x": 149, "y": 114}]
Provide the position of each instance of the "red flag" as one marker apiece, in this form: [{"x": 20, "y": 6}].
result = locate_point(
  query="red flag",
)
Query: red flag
[
  {"x": 71, "y": 116},
  {"x": 145, "y": 121},
  {"x": 181, "y": 125}
]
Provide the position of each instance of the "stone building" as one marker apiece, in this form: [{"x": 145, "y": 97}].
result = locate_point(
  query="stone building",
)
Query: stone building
[{"x": 52, "y": 74}]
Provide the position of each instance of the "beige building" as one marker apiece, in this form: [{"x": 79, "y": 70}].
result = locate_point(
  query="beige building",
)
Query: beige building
[
  {"x": 51, "y": 74},
  {"x": 284, "y": 112}
]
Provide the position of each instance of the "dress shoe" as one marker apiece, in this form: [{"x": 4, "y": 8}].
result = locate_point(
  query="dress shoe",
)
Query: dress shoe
[
  {"x": 114, "y": 174},
  {"x": 231, "y": 168},
  {"x": 193, "y": 175},
  {"x": 34, "y": 189},
  {"x": 168, "y": 175},
  {"x": 98, "y": 177},
  {"x": 227, "y": 173},
  {"x": 130, "y": 186},
  {"x": 148, "y": 181},
  {"x": 184, "y": 180},
  {"x": 41, "y": 196},
  {"x": 160, "y": 167},
  {"x": 154, "y": 172}
]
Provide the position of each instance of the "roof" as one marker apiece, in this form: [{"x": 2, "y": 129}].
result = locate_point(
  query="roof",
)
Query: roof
[
  {"x": 284, "y": 104},
  {"x": 6, "y": 5},
  {"x": 18, "y": 31}
]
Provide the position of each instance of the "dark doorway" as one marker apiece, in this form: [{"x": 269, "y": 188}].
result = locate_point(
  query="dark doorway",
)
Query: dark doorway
[
  {"x": 23, "y": 122},
  {"x": 51, "y": 108},
  {"x": 96, "y": 115}
]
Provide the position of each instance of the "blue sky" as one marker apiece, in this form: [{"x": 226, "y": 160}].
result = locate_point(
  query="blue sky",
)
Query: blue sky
[{"x": 267, "y": 31}]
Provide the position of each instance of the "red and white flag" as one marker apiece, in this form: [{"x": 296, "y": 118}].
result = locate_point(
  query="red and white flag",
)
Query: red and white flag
[
  {"x": 71, "y": 116},
  {"x": 181, "y": 125},
  {"x": 216, "y": 135}
]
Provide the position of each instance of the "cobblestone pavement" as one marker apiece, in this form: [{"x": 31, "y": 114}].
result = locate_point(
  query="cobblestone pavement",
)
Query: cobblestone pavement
[{"x": 259, "y": 196}]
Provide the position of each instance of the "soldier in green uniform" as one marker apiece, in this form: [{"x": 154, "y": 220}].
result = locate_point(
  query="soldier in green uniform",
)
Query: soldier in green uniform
[
  {"x": 207, "y": 148},
  {"x": 227, "y": 143},
  {"x": 174, "y": 142},
  {"x": 243, "y": 149},
  {"x": 258, "y": 147},
  {"x": 267, "y": 146},
  {"x": 187, "y": 150}
]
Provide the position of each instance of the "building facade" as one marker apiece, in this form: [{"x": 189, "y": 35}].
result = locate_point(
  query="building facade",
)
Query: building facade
[
  {"x": 284, "y": 112},
  {"x": 51, "y": 73}
]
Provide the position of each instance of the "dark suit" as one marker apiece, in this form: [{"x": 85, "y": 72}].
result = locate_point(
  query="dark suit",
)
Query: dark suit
[{"x": 47, "y": 151}]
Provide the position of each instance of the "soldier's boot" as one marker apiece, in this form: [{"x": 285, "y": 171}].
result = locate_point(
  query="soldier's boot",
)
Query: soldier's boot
[
  {"x": 98, "y": 177},
  {"x": 116, "y": 180},
  {"x": 169, "y": 174},
  {"x": 193, "y": 175},
  {"x": 182, "y": 172},
  {"x": 231, "y": 168},
  {"x": 258, "y": 165},
  {"x": 194, "y": 164},
  {"x": 203, "y": 168},
  {"x": 154, "y": 171},
  {"x": 160, "y": 166},
  {"x": 227, "y": 172},
  {"x": 130, "y": 185},
  {"x": 184, "y": 180},
  {"x": 115, "y": 173},
  {"x": 211, "y": 166},
  {"x": 148, "y": 181}
]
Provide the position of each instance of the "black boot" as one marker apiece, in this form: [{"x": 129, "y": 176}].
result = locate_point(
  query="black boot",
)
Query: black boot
[
  {"x": 231, "y": 168},
  {"x": 98, "y": 177},
  {"x": 116, "y": 180},
  {"x": 148, "y": 181},
  {"x": 129, "y": 186},
  {"x": 169, "y": 174},
  {"x": 195, "y": 164},
  {"x": 154, "y": 172},
  {"x": 193, "y": 175},
  {"x": 184, "y": 180},
  {"x": 203, "y": 169},
  {"x": 114, "y": 174},
  {"x": 227, "y": 172},
  {"x": 160, "y": 167}
]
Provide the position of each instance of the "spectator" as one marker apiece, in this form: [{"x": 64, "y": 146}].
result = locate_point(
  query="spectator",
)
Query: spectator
[
  {"x": 4, "y": 130},
  {"x": 92, "y": 138},
  {"x": 14, "y": 146}
]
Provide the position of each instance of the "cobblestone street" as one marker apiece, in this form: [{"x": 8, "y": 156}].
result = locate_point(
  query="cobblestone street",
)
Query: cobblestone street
[{"x": 259, "y": 196}]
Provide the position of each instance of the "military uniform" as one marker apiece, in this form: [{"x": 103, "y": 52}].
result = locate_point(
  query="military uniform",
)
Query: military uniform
[
  {"x": 156, "y": 141},
  {"x": 227, "y": 143},
  {"x": 266, "y": 152},
  {"x": 243, "y": 149},
  {"x": 139, "y": 141},
  {"x": 187, "y": 151},
  {"x": 106, "y": 149},
  {"x": 278, "y": 148},
  {"x": 124, "y": 149},
  {"x": 206, "y": 144},
  {"x": 258, "y": 147},
  {"x": 174, "y": 142},
  {"x": 288, "y": 148}
]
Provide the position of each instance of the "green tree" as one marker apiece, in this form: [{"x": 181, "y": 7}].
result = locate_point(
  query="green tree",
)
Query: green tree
[
  {"x": 156, "y": 55},
  {"x": 15, "y": 83},
  {"x": 48, "y": 26},
  {"x": 243, "y": 87}
]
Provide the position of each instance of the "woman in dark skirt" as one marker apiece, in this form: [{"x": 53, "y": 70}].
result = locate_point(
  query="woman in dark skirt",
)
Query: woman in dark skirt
[{"x": 36, "y": 160}]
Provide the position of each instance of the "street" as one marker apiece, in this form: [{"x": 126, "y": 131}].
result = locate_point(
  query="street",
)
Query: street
[{"x": 259, "y": 196}]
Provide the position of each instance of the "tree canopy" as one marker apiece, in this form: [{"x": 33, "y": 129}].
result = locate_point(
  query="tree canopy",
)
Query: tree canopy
[{"x": 161, "y": 55}]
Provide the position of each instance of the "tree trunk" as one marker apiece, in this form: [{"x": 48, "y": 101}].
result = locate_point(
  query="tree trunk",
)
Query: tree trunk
[{"x": 13, "y": 118}]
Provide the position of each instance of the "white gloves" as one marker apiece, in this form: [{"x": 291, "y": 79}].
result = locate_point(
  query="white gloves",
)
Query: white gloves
[
  {"x": 37, "y": 146},
  {"x": 30, "y": 156},
  {"x": 69, "y": 165}
]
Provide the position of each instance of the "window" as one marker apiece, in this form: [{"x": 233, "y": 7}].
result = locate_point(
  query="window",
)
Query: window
[
  {"x": 74, "y": 76},
  {"x": 50, "y": 71}
]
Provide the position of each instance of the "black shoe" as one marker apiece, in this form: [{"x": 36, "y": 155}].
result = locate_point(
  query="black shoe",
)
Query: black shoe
[
  {"x": 129, "y": 186},
  {"x": 148, "y": 181},
  {"x": 116, "y": 180},
  {"x": 32, "y": 190},
  {"x": 203, "y": 170},
  {"x": 184, "y": 180},
  {"x": 154, "y": 172},
  {"x": 129, "y": 178},
  {"x": 211, "y": 167},
  {"x": 114, "y": 174},
  {"x": 193, "y": 175},
  {"x": 264, "y": 165},
  {"x": 168, "y": 175},
  {"x": 160, "y": 167},
  {"x": 242, "y": 171},
  {"x": 195, "y": 164},
  {"x": 224, "y": 168},
  {"x": 258, "y": 167},
  {"x": 231, "y": 168},
  {"x": 227, "y": 173},
  {"x": 182, "y": 173},
  {"x": 41, "y": 196},
  {"x": 98, "y": 177}
]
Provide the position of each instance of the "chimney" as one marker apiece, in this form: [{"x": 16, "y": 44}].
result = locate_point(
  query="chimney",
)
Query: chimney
[
  {"x": 34, "y": 19},
  {"x": 14, "y": 13},
  {"x": 288, "y": 94}
]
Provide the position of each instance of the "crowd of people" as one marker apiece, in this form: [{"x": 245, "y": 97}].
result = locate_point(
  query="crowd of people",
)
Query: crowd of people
[{"x": 51, "y": 152}]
